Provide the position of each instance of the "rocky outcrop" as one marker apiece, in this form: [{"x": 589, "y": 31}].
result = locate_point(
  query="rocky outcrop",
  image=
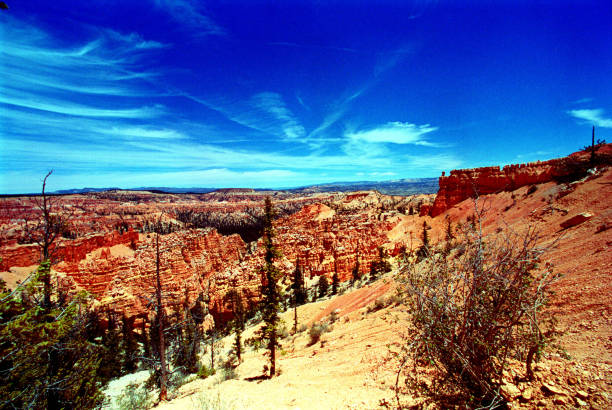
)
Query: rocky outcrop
[
  {"x": 323, "y": 241},
  {"x": 66, "y": 250},
  {"x": 462, "y": 184},
  {"x": 118, "y": 266},
  {"x": 467, "y": 183}
]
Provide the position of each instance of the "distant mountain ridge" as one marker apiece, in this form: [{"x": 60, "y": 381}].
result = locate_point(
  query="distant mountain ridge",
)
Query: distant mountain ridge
[{"x": 406, "y": 186}]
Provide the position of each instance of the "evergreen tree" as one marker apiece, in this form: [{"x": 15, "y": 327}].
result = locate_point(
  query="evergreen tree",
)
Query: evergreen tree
[
  {"x": 299, "y": 290},
  {"x": 239, "y": 321},
  {"x": 46, "y": 357},
  {"x": 187, "y": 339},
  {"x": 129, "y": 347},
  {"x": 356, "y": 274},
  {"x": 111, "y": 341},
  {"x": 271, "y": 291},
  {"x": 335, "y": 283},
  {"x": 146, "y": 341},
  {"x": 323, "y": 286},
  {"x": 449, "y": 230},
  {"x": 424, "y": 249},
  {"x": 157, "y": 330},
  {"x": 374, "y": 270}
]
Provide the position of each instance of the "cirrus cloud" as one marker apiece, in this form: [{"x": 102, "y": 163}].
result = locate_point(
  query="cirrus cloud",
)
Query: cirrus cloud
[
  {"x": 395, "y": 132},
  {"x": 593, "y": 116}
]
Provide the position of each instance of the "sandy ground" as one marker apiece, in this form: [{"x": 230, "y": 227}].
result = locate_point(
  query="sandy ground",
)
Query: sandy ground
[
  {"x": 347, "y": 369},
  {"x": 343, "y": 370}
]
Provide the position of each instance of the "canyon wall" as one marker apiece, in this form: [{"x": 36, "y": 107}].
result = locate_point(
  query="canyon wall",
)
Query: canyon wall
[
  {"x": 119, "y": 268},
  {"x": 462, "y": 184},
  {"x": 14, "y": 254}
]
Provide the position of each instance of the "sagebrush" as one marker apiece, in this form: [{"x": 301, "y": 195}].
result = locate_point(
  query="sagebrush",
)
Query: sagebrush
[{"x": 471, "y": 310}]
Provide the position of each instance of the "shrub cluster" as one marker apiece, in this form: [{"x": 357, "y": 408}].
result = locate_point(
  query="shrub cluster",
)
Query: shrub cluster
[
  {"x": 471, "y": 311},
  {"x": 316, "y": 331}
]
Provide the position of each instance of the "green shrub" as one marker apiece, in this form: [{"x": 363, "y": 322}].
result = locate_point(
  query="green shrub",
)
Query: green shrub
[
  {"x": 316, "y": 331},
  {"x": 333, "y": 316},
  {"x": 228, "y": 373},
  {"x": 205, "y": 372},
  {"x": 133, "y": 397},
  {"x": 213, "y": 400},
  {"x": 283, "y": 332}
]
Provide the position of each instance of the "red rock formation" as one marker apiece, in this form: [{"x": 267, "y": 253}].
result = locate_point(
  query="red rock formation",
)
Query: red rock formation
[
  {"x": 325, "y": 241},
  {"x": 466, "y": 183},
  {"x": 66, "y": 250}
]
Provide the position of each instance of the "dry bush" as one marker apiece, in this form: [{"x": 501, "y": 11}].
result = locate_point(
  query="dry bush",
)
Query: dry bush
[
  {"x": 470, "y": 312},
  {"x": 316, "y": 331}
]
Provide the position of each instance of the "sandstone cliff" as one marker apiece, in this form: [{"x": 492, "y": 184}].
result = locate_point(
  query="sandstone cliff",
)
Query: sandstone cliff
[{"x": 466, "y": 183}]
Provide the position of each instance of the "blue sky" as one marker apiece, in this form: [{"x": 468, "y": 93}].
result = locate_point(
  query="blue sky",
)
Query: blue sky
[{"x": 278, "y": 94}]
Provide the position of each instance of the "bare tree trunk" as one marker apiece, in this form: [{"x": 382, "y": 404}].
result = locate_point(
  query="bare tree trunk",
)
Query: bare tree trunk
[
  {"x": 295, "y": 317},
  {"x": 163, "y": 388},
  {"x": 212, "y": 349},
  {"x": 593, "y": 146},
  {"x": 47, "y": 239},
  {"x": 273, "y": 353}
]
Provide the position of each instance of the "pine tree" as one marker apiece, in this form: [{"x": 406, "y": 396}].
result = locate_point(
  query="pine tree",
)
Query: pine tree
[
  {"x": 129, "y": 347},
  {"x": 323, "y": 286},
  {"x": 239, "y": 321},
  {"x": 187, "y": 339},
  {"x": 449, "y": 230},
  {"x": 373, "y": 271},
  {"x": 299, "y": 292},
  {"x": 157, "y": 330},
  {"x": 335, "y": 282},
  {"x": 146, "y": 341},
  {"x": 298, "y": 284},
  {"x": 424, "y": 249},
  {"x": 356, "y": 274},
  {"x": 46, "y": 357},
  {"x": 271, "y": 291},
  {"x": 111, "y": 341}
]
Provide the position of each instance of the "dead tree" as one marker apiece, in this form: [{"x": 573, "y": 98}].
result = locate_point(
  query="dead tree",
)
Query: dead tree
[
  {"x": 163, "y": 384},
  {"x": 44, "y": 232}
]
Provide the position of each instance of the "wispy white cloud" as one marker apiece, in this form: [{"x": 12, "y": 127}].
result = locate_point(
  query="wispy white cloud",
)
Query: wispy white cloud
[
  {"x": 37, "y": 102},
  {"x": 273, "y": 105},
  {"x": 583, "y": 100},
  {"x": 265, "y": 112},
  {"x": 386, "y": 62},
  {"x": 141, "y": 133},
  {"x": 41, "y": 74},
  {"x": 189, "y": 14},
  {"x": 592, "y": 116},
  {"x": 394, "y": 132}
]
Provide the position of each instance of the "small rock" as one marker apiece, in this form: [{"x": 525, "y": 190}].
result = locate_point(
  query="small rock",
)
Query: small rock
[
  {"x": 582, "y": 394},
  {"x": 550, "y": 389},
  {"x": 510, "y": 392},
  {"x": 572, "y": 380},
  {"x": 542, "y": 403},
  {"x": 581, "y": 402},
  {"x": 576, "y": 220},
  {"x": 527, "y": 394},
  {"x": 560, "y": 401}
]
